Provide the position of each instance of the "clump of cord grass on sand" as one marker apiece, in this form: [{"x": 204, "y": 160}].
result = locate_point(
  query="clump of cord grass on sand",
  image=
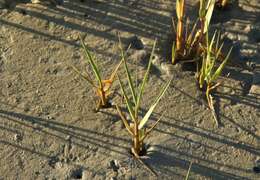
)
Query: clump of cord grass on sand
[
  {"x": 102, "y": 87},
  {"x": 209, "y": 71},
  {"x": 187, "y": 47},
  {"x": 137, "y": 127}
]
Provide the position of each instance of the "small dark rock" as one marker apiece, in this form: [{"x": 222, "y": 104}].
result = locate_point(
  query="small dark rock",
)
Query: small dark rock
[
  {"x": 23, "y": 12},
  {"x": 256, "y": 169},
  {"x": 52, "y": 161},
  {"x": 113, "y": 164},
  {"x": 6, "y": 4},
  {"x": 254, "y": 34},
  {"x": 18, "y": 137},
  {"x": 43, "y": 60},
  {"x": 135, "y": 42},
  {"x": 68, "y": 138},
  {"x": 77, "y": 173}
]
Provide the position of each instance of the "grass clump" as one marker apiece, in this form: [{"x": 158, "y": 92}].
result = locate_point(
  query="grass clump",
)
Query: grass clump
[
  {"x": 102, "y": 87},
  {"x": 137, "y": 127},
  {"x": 209, "y": 71},
  {"x": 187, "y": 45},
  {"x": 194, "y": 46}
]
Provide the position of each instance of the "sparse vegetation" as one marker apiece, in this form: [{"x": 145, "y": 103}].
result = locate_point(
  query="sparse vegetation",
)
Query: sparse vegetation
[
  {"x": 48, "y": 127},
  {"x": 102, "y": 87},
  {"x": 209, "y": 72},
  {"x": 137, "y": 128},
  {"x": 187, "y": 46},
  {"x": 195, "y": 47}
]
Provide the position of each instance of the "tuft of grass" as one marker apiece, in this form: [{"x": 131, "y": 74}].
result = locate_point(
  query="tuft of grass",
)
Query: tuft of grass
[
  {"x": 101, "y": 86},
  {"x": 137, "y": 127},
  {"x": 187, "y": 45},
  {"x": 209, "y": 71}
]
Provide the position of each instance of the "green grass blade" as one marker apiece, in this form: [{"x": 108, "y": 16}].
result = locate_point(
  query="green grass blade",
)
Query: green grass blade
[
  {"x": 92, "y": 63},
  {"x": 221, "y": 67},
  {"x": 128, "y": 103},
  {"x": 209, "y": 13},
  {"x": 144, "y": 80},
  {"x": 202, "y": 71},
  {"x": 150, "y": 111},
  {"x": 211, "y": 43},
  {"x": 188, "y": 173},
  {"x": 173, "y": 52},
  {"x": 84, "y": 76},
  {"x": 192, "y": 33},
  {"x": 202, "y": 9},
  {"x": 218, "y": 40},
  {"x": 219, "y": 50},
  {"x": 130, "y": 81}
]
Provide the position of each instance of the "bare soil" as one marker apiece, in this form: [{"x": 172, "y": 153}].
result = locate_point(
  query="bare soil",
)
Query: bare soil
[{"x": 48, "y": 129}]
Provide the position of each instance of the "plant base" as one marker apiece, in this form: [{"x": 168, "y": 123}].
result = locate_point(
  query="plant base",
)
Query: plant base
[{"x": 100, "y": 106}]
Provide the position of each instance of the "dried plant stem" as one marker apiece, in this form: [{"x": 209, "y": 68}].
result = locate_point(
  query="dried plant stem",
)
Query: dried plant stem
[
  {"x": 211, "y": 105},
  {"x": 180, "y": 14},
  {"x": 179, "y": 36},
  {"x": 103, "y": 101}
]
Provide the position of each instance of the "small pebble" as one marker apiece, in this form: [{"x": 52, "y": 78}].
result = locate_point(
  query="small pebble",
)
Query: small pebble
[
  {"x": 18, "y": 137},
  {"x": 156, "y": 60},
  {"x": 68, "y": 138},
  {"x": 114, "y": 164},
  {"x": 50, "y": 117}
]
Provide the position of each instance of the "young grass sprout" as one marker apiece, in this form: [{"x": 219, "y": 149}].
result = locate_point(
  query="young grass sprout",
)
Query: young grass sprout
[
  {"x": 102, "y": 87},
  {"x": 209, "y": 73},
  {"x": 137, "y": 128}
]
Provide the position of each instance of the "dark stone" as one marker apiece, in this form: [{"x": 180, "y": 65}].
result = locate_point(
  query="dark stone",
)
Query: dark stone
[
  {"x": 254, "y": 34},
  {"x": 256, "y": 169},
  {"x": 135, "y": 42},
  {"x": 77, "y": 173},
  {"x": 114, "y": 165}
]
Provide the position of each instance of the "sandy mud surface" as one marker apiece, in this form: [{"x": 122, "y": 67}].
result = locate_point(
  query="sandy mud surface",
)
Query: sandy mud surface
[{"x": 48, "y": 129}]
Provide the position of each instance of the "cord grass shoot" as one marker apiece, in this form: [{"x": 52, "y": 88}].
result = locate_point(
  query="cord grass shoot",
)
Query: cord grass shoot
[
  {"x": 137, "y": 127},
  {"x": 209, "y": 73},
  {"x": 102, "y": 87},
  {"x": 187, "y": 45},
  {"x": 205, "y": 14}
]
